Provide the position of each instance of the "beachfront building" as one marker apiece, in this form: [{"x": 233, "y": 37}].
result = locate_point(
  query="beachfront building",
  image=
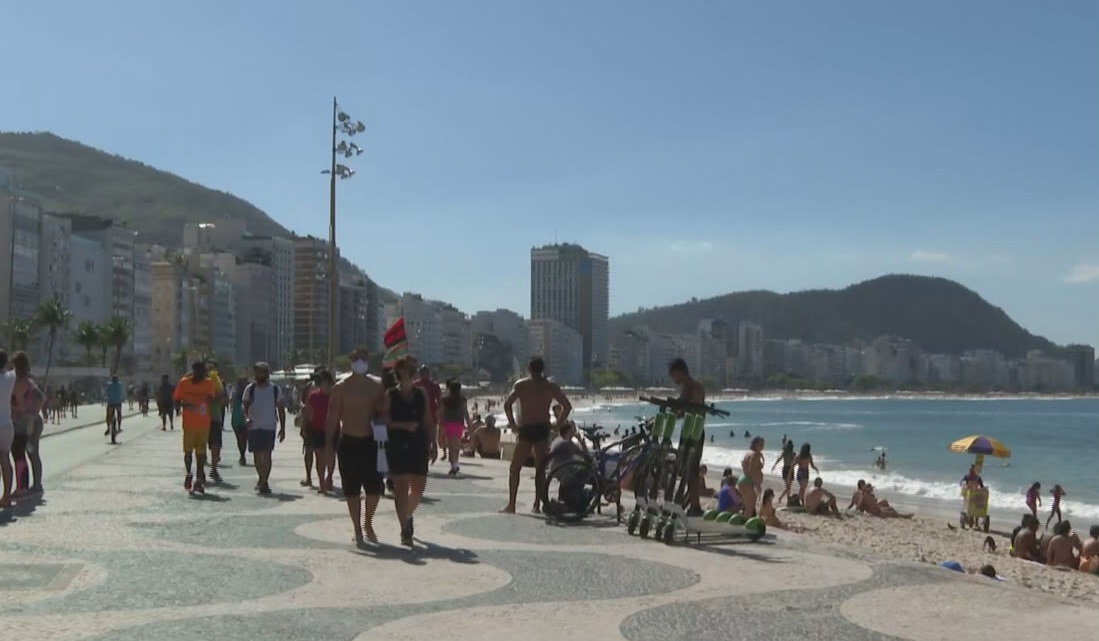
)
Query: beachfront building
[
  {"x": 749, "y": 352},
  {"x": 310, "y": 298},
  {"x": 1082, "y": 358},
  {"x": 1041, "y": 373},
  {"x": 571, "y": 285},
  {"x": 438, "y": 333},
  {"x": 561, "y": 347},
  {"x": 507, "y": 326},
  {"x": 172, "y": 314}
]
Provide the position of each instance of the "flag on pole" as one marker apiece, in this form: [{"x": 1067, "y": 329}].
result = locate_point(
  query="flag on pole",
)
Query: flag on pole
[{"x": 396, "y": 343}]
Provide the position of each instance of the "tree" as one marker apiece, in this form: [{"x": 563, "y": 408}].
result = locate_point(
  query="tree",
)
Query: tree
[
  {"x": 53, "y": 316},
  {"x": 87, "y": 336},
  {"x": 116, "y": 334},
  {"x": 181, "y": 360},
  {"x": 601, "y": 378},
  {"x": 18, "y": 332}
]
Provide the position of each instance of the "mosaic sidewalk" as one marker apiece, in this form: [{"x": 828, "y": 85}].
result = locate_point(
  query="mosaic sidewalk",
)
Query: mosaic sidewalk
[{"x": 118, "y": 551}]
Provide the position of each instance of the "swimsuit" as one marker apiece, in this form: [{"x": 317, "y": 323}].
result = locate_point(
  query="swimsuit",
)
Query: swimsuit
[
  {"x": 534, "y": 433},
  {"x": 358, "y": 461}
]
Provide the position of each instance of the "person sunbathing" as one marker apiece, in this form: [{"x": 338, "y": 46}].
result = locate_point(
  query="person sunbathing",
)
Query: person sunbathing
[
  {"x": 767, "y": 513},
  {"x": 1063, "y": 547},
  {"x": 820, "y": 501},
  {"x": 856, "y": 498},
  {"x": 879, "y": 508}
]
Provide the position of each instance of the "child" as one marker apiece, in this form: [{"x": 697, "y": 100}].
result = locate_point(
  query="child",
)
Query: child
[
  {"x": 1033, "y": 500},
  {"x": 1055, "y": 509}
]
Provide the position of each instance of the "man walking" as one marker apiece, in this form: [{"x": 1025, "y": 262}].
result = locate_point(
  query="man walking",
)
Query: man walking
[
  {"x": 356, "y": 403},
  {"x": 195, "y": 392},
  {"x": 217, "y": 421},
  {"x": 536, "y": 394},
  {"x": 264, "y": 413},
  {"x": 164, "y": 404},
  {"x": 432, "y": 392}
]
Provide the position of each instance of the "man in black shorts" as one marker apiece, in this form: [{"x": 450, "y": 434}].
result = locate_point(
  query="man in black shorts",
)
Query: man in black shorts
[
  {"x": 165, "y": 406},
  {"x": 536, "y": 394},
  {"x": 356, "y": 402}
]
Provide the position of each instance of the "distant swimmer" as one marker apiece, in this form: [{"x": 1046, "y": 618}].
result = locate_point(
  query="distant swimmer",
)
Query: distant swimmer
[
  {"x": 711, "y": 438},
  {"x": 747, "y": 434},
  {"x": 732, "y": 434}
]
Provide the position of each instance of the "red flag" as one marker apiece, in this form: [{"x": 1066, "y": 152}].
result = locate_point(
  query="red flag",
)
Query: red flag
[{"x": 395, "y": 335}]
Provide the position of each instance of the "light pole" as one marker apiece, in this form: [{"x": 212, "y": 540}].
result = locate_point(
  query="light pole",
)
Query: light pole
[{"x": 341, "y": 124}]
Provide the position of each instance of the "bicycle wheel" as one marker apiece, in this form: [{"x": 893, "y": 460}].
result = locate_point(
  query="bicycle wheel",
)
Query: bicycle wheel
[{"x": 571, "y": 491}]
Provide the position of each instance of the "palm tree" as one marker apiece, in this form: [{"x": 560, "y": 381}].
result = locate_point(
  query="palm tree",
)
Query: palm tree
[
  {"x": 18, "y": 331},
  {"x": 87, "y": 336},
  {"x": 54, "y": 317},
  {"x": 116, "y": 334}
]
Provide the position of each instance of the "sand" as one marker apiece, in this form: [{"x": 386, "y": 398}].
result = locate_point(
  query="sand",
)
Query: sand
[{"x": 923, "y": 539}]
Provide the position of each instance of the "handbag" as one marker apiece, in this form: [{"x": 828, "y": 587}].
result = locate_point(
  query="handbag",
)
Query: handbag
[{"x": 381, "y": 436}]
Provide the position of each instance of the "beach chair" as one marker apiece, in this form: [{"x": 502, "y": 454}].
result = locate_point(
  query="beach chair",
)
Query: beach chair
[{"x": 975, "y": 515}]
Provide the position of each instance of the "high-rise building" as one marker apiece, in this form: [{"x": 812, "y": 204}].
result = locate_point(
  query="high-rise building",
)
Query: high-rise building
[
  {"x": 20, "y": 248},
  {"x": 506, "y": 325},
  {"x": 354, "y": 316},
  {"x": 749, "y": 354},
  {"x": 89, "y": 281},
  {"x": 438, "y": 333},
  {"x": 311, "y": 275},
  {"x": 561, "y": 347},
  {"x": 571, "y": 285},
  {"x": 1082, "y": 358},
  {"x": 173, "y": 315},
  {"x": 141, "y": 332},
  {"x": 279, "y": 255}
]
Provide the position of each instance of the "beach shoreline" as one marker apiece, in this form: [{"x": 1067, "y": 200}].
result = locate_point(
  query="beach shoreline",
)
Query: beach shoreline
[{"x": 932, "y": 536}]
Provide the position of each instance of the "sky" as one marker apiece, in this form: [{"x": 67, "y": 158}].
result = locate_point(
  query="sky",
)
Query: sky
[{"x": 704, "y": 146}]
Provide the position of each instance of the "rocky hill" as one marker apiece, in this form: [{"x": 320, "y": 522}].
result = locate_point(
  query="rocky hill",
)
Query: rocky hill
[{"x": 939, "y": 314}]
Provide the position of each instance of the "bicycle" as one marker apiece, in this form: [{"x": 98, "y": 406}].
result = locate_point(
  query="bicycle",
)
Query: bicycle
[
  {"x": 114, "y": 420},
  {"x": 585, "y": 484}
]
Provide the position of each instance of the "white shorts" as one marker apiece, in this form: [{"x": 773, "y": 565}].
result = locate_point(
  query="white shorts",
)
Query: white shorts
[{"x": 7, "y": 434}]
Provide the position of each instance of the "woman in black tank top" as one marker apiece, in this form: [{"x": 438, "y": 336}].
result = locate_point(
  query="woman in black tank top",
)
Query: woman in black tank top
[{"x": 411, "y": 444}]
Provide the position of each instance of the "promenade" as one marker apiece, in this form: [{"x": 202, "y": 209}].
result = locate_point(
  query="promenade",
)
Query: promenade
[{"x": 116, "y": 550}]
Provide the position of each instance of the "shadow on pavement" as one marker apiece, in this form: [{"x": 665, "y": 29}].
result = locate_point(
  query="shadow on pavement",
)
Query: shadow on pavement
[
  {"x": 280, "y": 496},
  {"x": 21, "y": 508},
  {"x": 416, "y": 555},
  {"x": 462, "y": 476},
  {"x": 738, "y": 548},
  {"x": 591, "y": 522},
  {"x": 212, "y": 498}
]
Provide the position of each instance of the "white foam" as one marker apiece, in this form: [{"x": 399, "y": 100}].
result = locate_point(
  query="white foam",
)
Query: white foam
[{"x": 816, "y": 425}]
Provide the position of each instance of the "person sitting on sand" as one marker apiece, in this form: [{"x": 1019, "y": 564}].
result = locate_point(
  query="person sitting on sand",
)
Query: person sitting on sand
[
  {"x": 703, "y": 489},
  {"x": 485, "y": 440},
  {"x": 881, "y": 509},
  {"x": 820, "y": 501},
  {"x": 1025, "y": 545},
  {"x": 856, "y": 498},
  {"x": 1063, "y": 547},
  {"x": 728, "y": 499},
  {"x": 1024, "y": 523},
  {"x": 767, "y": 513},
  {"x": 1089, "y": 552}
]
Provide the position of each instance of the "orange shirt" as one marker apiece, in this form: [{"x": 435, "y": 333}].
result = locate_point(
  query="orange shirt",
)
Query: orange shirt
[{"x": 196, "y": 399}]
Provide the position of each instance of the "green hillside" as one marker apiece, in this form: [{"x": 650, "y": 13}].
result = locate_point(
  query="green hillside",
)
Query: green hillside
[
  {"x": 71, "y": 177},
  {"x": 939, "y": 314}
]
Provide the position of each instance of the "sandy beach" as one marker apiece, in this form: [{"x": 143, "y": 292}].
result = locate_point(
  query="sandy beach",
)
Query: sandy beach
[{"x": 926, "y": 538}]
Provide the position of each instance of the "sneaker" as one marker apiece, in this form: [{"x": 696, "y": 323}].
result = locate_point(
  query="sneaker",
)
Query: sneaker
[
  {"x": 215, "y": 476},
  {"x": 188, "y": 481},
  {"x": 265, "y": 489}
]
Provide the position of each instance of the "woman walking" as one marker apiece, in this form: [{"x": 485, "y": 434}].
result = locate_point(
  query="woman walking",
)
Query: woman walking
[
  {"x": 315, "y": 424},
  {"x": 237, "y": 419},
  {"x": 27, "y": 406},
  {"x": 412, "y": 442},
  {"x": 454, "y": 411},
  {"x": 7, "y": 430},
  {"x": 802, "y": 463},
  {"x": 787, "y": 460}
]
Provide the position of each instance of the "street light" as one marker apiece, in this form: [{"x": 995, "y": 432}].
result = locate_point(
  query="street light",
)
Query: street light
[{"x": 345, "y": 125}]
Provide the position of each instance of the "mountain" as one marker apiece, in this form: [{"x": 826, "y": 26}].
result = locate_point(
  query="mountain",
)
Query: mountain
[
  {"x": 939, "y": 314},
  {"x": 71, "y": 177}
]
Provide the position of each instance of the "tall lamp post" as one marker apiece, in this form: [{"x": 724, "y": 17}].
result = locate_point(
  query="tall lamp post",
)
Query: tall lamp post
[{"x": 342, "y": 126}]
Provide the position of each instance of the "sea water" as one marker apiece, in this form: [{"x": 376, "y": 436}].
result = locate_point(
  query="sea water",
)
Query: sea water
[{"x": 1051, "y": 440}]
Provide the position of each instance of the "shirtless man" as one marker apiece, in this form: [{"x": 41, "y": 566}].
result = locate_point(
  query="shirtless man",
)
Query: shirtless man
[
  {"x": 535, "y": 395},
  {"x": 690, "y": 391},
  {"x": 1026, "y": 542},
  {"x": 1063, "y": 547},
  {"x": 881, "y": 509},
  {"x": 821, "y": 501},
  {"x": 1089, "y": 553},
  {"x": 356, "y": 402},
  {"x": 485, "y": 441}
]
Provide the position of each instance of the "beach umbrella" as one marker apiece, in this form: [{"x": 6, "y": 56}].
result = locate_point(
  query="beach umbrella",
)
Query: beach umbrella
[{"x": 982, "y": 446}]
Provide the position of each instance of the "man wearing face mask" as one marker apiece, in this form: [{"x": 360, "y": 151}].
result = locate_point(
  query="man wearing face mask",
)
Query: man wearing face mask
[
  {"x": 195, "y": 392},
  {"x": 355, "y": 403},
  {"x": 264, "y": 412}
]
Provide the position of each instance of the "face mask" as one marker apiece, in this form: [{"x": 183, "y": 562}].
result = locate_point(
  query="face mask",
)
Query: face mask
[{"x": 359, "y": 367}]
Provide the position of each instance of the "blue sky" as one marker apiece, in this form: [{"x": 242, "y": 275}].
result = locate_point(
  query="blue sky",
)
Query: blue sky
[{"x": 706, "y": 147}]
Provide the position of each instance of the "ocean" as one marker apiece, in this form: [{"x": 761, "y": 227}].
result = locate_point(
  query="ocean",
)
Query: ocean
[{"x": 1052, "y": 441}]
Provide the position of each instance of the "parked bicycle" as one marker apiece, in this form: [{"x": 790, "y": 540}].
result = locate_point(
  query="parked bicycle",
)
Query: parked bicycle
[{"x": 576, "y": 488}]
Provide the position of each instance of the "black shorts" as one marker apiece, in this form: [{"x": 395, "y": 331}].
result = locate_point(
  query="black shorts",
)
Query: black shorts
[
  {"x": 534, "y": 433},
  {"x": 215, "y": 434},
  {"x": 358, "y": 461},
  {"x": 164, "y": 409},
  {"x": 407, "y": 453},
  {"x": 314, "y": 439}
]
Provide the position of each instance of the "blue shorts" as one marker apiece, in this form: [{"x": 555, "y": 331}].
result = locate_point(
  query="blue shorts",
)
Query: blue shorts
[{"x": 261, "y": 440}]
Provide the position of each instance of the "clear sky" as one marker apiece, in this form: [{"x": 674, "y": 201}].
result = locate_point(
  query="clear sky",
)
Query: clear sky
[{"x": 705, "y": 146}]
